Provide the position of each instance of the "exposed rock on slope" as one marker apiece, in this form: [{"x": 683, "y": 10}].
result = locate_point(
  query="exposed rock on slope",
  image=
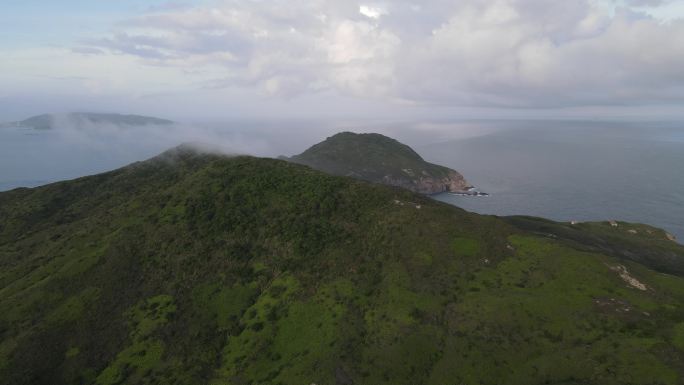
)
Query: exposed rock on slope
[{"x": 377, "y": 158}]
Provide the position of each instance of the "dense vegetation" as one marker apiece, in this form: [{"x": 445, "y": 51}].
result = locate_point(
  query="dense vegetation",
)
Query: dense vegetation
[
  {"x": 376, "y": 158},
  {"x": 203, "y": 269}
]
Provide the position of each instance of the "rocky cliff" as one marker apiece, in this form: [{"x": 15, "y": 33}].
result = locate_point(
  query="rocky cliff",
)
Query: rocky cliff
[{"x": 428, "y": 184}]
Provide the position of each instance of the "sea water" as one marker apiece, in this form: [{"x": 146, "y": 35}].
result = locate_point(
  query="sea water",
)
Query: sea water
[{"x": 583, "y": 171}]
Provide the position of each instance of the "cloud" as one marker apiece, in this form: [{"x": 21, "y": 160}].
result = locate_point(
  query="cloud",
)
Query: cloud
[
  {"x": 501, "y": 53},
  {"x": 371, "y": 11},
  {"x": 77, "y": 147},
  {"x": 88, "y": 51},
  {"x": 131, "y": 142},
  {"x": 647, "y": 3},
  {"x": 509, "y": 53}
]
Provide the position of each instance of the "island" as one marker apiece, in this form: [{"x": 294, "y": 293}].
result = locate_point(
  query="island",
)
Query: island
[
  {"x": 380, "y": 159},
  {"x": 50, "y": 121}
]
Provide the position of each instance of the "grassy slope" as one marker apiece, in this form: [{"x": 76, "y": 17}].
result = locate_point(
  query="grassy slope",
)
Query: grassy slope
[
  {"x": 636, "y": 242},
  {"x": 368, "y": 156},
  {"x": 202, "y": 269}
]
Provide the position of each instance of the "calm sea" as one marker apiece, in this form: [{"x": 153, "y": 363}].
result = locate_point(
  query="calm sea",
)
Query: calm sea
[
  {"x": 574, "y": 171},
  {"x": 559, "y": 170}
]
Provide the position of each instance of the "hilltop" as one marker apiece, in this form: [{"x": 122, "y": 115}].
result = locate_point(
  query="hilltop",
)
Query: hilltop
[
  {"x": 49, "y": 121},
  {"x": 380, "y": 159},
  {"x": 192, "y": 268}
]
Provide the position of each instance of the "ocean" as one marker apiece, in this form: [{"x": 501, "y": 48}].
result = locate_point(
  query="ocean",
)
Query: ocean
[{"x": 583, "y": 171}]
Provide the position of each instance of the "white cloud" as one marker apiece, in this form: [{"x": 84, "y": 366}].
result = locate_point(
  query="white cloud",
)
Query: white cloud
[
  {"x": 371, "y": 11},
  {"x": 505, "y": 53}
]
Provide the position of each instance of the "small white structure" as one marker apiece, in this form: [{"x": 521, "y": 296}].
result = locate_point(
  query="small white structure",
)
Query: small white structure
[{"x": 613, "y": 223}]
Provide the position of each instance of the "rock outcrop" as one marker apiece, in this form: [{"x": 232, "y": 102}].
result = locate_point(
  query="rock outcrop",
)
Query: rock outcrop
[{"x": 452, "y": 182}]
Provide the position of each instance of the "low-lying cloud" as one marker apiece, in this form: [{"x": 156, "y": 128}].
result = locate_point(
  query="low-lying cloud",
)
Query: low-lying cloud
[
  {"x": 137, "y": 141},
  {"x": 75, "y": 147}
]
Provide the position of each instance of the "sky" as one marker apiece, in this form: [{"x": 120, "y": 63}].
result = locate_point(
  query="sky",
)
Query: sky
[{"x": 339, "y": 59}]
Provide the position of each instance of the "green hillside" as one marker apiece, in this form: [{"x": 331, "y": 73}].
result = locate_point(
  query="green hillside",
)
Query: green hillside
[
  {"x": 204, "y": 269},
  {"x": 380, "y": 159}
]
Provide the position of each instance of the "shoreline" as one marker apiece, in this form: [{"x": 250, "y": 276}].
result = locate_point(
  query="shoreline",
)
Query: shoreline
[{"x": 469, "y": 192}]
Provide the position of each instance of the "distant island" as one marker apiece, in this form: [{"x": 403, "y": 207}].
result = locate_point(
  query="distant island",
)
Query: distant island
[
  {"x": 49, "y": 121},
  {"x": 380, "y": 159}
]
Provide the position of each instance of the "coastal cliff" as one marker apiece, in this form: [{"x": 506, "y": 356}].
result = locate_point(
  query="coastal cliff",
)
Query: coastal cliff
[
  {"x": 428, "y": 184},
  {"x": 380, "y": 159}
]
